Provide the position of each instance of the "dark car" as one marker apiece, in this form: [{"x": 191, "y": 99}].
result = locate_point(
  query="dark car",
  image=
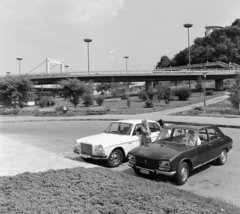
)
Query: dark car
[{"x": 180, "y": 149}]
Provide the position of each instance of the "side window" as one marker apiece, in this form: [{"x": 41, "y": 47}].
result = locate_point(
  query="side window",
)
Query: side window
[
  {"x": 157, "y": 128},
  {"x": 212, "y": 134},
  {"x": 203, "y": 136},
  {"x": 179, "y": 132},
  {"x": 151, "y": 127},
  {"x": 135, "y": 129}
]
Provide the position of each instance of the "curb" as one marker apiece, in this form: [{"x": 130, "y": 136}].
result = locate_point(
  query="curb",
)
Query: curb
[{"x": 99, "y": 119}]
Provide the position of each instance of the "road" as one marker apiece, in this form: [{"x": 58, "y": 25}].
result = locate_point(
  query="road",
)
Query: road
[{"x": 58, "y": 137}]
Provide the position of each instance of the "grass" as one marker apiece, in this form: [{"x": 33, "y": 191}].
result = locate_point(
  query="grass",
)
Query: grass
[
  {"x": 99, "y": 190},
  {"x": 214, "y": 110},
  {"x": 119, "y": 106}
]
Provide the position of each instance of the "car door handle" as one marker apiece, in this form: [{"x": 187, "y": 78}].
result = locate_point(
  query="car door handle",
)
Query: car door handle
[{"x": 209, "y": 144}]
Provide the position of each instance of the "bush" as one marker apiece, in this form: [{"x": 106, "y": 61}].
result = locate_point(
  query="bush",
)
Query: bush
[
  {"x": 100, "y": 99},
  {"x": 149, "y": 104},
  {"x": 88, "y": 99},
  {"x": 183, "y": 93},
  {"x": 209, "y": 93},
  {"x": 59, "y": 108},
  {"x": 46, "y": 101},
  {"x": 143, "y": 95},
  {"x": 199, "y": 108},
  {"x": 10, "y": 111}
]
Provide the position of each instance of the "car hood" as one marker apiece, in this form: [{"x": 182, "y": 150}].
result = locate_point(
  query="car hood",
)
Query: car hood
[
  {"x": 159, "y": 151},
  {"x": 104, "y": 139}
]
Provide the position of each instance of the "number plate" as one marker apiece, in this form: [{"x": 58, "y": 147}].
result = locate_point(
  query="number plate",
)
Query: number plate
[
  {"x": 84, "y": 156},
  {"x": 144, "y": 171}
]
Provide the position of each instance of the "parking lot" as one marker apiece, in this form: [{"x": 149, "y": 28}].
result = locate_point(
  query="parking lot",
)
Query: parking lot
[{"x": 39, "y": 146}]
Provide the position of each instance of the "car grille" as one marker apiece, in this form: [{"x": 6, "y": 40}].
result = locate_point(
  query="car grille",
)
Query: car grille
[
  {"x": 86, "y": 149},
  {"x": 147, "y": 163}
]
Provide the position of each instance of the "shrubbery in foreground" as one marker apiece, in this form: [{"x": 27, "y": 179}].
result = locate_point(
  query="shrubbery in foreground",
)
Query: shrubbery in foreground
[{"x": 99, "y": 190}]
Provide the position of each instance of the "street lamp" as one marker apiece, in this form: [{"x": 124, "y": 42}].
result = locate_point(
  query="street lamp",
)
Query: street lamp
[
  {"x": 88, "y": 41},
  {"x": 19, "y": 59},
  {"x": 189, "y": 60},
  {"x": 204, "y": 89},
  {"x": 126, "y": 57},
  {"x": 66, "y": 66}
]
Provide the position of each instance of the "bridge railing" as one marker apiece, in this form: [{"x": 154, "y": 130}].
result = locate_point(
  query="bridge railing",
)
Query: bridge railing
[
  {"x": 160, "y": 71},
  {"x": 72, "y": 73}
]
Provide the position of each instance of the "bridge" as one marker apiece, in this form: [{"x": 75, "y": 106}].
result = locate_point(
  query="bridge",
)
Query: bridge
[{"x": 138, "y": 76}]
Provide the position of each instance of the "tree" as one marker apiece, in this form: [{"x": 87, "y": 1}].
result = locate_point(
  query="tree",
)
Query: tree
[
  {"x": 15, "y": 88},
  {"x": 234, "y": 92},
  {"x": 151, "y": 93},
  {"x": 161, "y": 88},
  {"x": 164, "y": 62},
  {"x": 99, "y": 99},
  {"x": 221, "y": 45},
  {"x": 74, "y": 89},
  {"x": 199, "y": 84},
  {"x": 118, "y": 89},
  {"x": 101, "y": 87}
]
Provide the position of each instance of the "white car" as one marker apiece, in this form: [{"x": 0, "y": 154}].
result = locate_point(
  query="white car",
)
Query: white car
[{"x": 115, "y": 142}]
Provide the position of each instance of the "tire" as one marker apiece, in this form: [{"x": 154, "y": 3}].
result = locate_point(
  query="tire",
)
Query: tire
[
  {"x": 223, "y": 158},
  {"x": 182, "y": 174},
  {"x": 115, "y": 158}
]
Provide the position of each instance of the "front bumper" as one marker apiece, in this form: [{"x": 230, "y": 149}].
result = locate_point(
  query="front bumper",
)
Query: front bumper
[
  {"x": 96, "y": 157},
  {"x": 154, "y": 171}
]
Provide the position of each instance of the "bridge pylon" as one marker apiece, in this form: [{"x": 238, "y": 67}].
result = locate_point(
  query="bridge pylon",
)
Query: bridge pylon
[{"x": 50, "y": 61}]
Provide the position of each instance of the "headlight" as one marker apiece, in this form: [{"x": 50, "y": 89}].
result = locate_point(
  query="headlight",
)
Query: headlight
[
  {"x": 99, "y": 150},
  {"x": 164, "y": 165},
  {"x": 76, "y": 144},
  {"x": 131, "y": 159}
]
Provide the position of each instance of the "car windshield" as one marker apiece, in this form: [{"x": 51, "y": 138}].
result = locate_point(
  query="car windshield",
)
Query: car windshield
[
  {"x": 182, "y": 136},
  {"x": 119, "y": 128}
]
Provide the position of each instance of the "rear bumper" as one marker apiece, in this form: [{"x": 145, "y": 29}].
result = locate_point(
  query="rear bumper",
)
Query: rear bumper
[
  {"x": 96, "y": 157},
  {"x": 154, "y": 171}
]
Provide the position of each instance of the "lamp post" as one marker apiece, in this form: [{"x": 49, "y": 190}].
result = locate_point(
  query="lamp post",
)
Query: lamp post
[
  {"x": 66, "y": 66},
  {"x": 204, "y": 89},
  {"x": 19, "y": 59},
  {"x": 88, "y": 41},
  {"x": 126, "y": 57},
  {"x": 189, "y": 59}
]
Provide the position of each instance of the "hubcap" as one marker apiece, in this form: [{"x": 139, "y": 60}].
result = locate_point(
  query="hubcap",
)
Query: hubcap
[
  {"x": 223, "y": 156},
  {"x": 184, "y": 173},
  {"x": 115, "y": 158}
]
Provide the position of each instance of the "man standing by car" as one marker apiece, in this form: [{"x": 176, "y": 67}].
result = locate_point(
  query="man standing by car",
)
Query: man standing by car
[{"x": 145, "y": 133}]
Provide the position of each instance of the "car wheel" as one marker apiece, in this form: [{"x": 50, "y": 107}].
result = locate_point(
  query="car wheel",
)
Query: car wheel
[
  {"x": 223, "y": 157},
  {"x": 182, "y": 174},
  {"x": 115, "y": 158}
]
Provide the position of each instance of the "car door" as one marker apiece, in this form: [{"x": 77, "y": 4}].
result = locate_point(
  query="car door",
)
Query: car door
[
  {"x": 216, "y": 140},
  {"x": 155, "y": 130},
  {"x": 205, "y": 149},
  {"x": 135, "y": 139}
]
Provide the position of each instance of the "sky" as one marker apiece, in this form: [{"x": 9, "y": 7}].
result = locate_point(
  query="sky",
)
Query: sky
[{"x": 143, "y": 30}]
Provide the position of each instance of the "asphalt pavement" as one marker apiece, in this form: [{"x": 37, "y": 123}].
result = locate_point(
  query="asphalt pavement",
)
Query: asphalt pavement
[{"x": 18, "y": 157}]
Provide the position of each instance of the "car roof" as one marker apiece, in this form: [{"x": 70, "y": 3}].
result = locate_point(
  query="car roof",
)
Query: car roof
[
  {"x": 134, "y": 121},
  {"x": 196, "y": 127}
]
